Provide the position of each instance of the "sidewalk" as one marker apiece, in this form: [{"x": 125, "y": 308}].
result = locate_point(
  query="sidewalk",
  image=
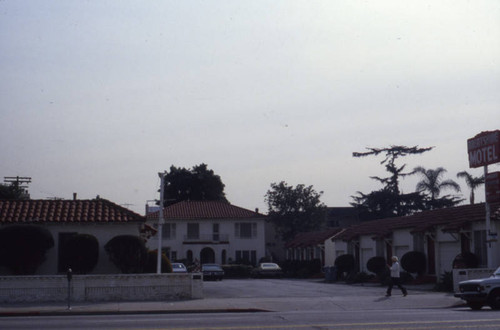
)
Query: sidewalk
[{"x": 364, "y": 297}]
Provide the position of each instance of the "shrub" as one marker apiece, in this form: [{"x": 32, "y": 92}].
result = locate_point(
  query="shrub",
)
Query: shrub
[
  {"x": 128, "y": 253},
  {"x": 376, "y": 265},
  {"x": 446, "y": 282},
  {"x": 414, "y": 262},
  {"x": 360, "y": 277},
  {"x": 151, "y": 265},
  {"x": 23, "y": 248},
  {"x": 465, "y": 260},
  {"x": 81, "y": 253},
  {"x": 345, "y": 263}
]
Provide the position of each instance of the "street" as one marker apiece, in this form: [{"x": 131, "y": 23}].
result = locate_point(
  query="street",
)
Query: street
[{"x": 288, "y": 304}]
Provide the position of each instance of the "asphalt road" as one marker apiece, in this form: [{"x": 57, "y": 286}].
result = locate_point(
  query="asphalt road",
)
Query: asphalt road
[{"x": 290, "y": 304}]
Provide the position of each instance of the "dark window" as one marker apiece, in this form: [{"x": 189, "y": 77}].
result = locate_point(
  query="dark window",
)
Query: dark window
[{"x": 193, "y": 231}]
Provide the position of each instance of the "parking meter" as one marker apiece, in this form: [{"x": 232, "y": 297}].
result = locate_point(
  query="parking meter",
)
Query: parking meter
[{"x": 69, "y": 276}]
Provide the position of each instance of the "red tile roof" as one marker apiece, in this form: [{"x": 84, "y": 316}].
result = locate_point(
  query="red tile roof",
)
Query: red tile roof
[
  {"x": 187, "y": 210},
  {"x": 312, "y": 238},
  {"x": 451, "y": 219},
  {"x": 64, "y": 211}
]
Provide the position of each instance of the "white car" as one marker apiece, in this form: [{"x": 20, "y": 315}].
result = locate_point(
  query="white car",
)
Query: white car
[
  {"x": 480, "y": 292},
  {"x": 178, "y": 267}
]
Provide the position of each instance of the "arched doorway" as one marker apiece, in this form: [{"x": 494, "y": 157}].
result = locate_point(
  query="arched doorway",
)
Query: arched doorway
[{"x": 207, "y": 256}]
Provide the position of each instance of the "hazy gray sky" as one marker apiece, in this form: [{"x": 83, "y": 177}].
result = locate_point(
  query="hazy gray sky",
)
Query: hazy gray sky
[{"x": 97, "y": 97}]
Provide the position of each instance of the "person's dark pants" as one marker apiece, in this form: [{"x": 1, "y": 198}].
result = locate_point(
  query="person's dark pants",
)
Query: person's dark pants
[{"x": 395, "y": 281}]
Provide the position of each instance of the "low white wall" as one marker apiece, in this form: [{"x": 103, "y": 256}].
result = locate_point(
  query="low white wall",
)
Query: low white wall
[
  {"x": 462, "y": 274},
  {"x": 122, "y": 287}
]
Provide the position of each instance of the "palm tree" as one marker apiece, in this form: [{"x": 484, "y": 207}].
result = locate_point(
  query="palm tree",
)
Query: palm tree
[
  {"x": 472, "y": 182},
  {"x": 432, "y": 182}
]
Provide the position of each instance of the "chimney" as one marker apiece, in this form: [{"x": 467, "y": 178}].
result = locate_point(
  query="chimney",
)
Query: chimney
[{"x": 74, "y": 196}]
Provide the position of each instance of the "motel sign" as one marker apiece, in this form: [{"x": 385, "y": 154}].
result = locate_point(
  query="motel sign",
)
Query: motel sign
[{"x": 484, "y": 149}]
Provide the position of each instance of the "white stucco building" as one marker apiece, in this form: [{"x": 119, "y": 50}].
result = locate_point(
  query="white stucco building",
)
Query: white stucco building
[
  {"x": 440, "y": 234},
  {"x": 65, "y": 218},
  {"x": 210, "y": 232}
]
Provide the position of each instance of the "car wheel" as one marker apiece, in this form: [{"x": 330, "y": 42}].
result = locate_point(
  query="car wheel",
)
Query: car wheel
[
  {"x": 494, "y": 299},
  {"x": 474, "y": 305}
]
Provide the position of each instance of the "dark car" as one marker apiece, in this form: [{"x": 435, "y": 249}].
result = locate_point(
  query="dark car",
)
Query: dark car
[
  {"x": 212, "y": 272},
  {"x": 267, "y": 269}
]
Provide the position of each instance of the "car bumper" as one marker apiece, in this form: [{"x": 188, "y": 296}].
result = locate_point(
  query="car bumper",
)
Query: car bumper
[{"x": 472, "y": 296}]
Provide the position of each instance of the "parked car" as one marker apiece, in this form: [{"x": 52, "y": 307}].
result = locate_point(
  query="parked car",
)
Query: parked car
[
  {"x": 179, "y": 267},
  {"x": 480, "y": 292},
  {"x": 212, "y": 272},
  {"x": 267, "y": 269}
]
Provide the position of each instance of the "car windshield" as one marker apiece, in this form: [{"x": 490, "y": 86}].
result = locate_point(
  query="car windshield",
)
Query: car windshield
[
  {"x": 181, "y": 266},
  {"x": 270, "y": 266},
  {"x": 211, "y": 267},
  {"x": 497, "y": 272}
]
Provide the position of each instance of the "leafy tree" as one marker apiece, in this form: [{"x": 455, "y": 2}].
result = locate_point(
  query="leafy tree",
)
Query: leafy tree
[
  {"x": 433, "y": 184},
  {"x": 23, "y": 248},
  {"x": 81, "y": 253},
  {"x": 12, "y": 192},
  {"x": 472, "y": 182},
  {"x": 196, "y": 184},
  {"x": 389, "y": 201},
  {"x": 293, "y": 210},
  {"x": 128, "y": 253}
]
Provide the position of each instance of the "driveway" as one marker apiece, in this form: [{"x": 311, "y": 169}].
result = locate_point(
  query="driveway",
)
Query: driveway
[{"x": 286, "y": 294}]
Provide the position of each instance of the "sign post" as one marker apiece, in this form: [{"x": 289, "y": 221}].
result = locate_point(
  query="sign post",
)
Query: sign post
[{"x": 483, "y": 150}]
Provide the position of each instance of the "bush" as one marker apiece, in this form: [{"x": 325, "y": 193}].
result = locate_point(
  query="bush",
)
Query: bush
[
  {"x": 446, "y": 282},
  {"x": 360, "y": 277},
  {"x": 23, "y": 248},
  {"x": 81, "y": 253},
  {"x": 345, "y": 263},
  {"x": 414, "y": 262},
  {"x": 465, "y": 260},
  {"x": 128, "y": 253},
  {"x": 376, "y": 265},
  {"x": 151, "y": 265}
]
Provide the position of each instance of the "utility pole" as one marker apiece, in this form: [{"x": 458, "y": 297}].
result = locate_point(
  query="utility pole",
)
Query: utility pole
[
  {"x": 19, "y": 182},
  {"x": 161, "y": 221}
]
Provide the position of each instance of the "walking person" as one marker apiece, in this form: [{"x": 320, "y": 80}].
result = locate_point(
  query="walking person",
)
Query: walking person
[{"x": 395, "y": 278}]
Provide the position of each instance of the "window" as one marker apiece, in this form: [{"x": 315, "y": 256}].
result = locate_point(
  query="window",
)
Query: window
[
  {"x": 168, "y": 231},
  {"x": 245, "y": 230},
  {"x": 480, "y": 247},
  {"x": 246, "y": 257},
  {"x": 193, "y": 231},
  {"x": 215, "y": 232}
]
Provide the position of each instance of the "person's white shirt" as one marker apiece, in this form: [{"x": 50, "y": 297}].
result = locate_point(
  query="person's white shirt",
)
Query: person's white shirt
[{"x": 395, "y": 269}]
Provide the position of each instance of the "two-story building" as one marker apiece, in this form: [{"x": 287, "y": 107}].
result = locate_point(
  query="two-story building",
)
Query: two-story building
[{"x": 210, "y": 232}]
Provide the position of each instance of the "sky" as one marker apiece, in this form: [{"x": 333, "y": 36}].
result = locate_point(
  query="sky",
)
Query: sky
[{"x": 98, "y": 97}]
